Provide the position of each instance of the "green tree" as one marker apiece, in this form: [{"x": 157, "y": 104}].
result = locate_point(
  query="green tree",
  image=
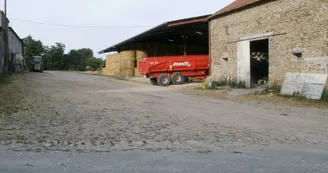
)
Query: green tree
[
  {"x": 45, "y": 57},
  {"x": 76, "y": 60},
  {"x": 86, "y": 52},
  {"x": 54, "y": 57},
  {"x": 104, "y": 64},
  {"x": 32, "y": 47},
  {"x": 94, "y": 63}
]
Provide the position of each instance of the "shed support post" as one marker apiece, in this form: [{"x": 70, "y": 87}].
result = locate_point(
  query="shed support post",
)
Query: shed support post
[{"x": 184, "y": 46}]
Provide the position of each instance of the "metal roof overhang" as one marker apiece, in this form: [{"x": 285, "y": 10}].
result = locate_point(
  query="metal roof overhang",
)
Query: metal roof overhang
[{"x": 195, "y": 29}]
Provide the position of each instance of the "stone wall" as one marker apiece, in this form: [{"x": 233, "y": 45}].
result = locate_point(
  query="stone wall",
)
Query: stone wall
[
  {"x": 15, "y": 44},
  {"x": 4, "y": 24},
  {"x": 293, "y": 25}
]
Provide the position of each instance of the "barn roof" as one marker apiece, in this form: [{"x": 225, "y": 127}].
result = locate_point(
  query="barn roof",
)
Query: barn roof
[
  {"x": 175, "y": 29},
  {"x": 238, "y": 5}
]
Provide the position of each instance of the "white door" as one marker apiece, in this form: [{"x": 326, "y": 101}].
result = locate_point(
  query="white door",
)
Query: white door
[{"x": 244, "y": 62}]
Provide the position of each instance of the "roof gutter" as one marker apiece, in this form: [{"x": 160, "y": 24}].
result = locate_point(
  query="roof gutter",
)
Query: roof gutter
[
  {"x": 120, "y": 43},
  {"x": 239, "y": 9}
]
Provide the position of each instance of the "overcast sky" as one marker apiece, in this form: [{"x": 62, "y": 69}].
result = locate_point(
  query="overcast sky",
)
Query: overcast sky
[{"x": 98, "y": 13}]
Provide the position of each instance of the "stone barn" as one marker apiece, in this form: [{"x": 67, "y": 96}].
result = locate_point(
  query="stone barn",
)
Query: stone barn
[{"x": 262, "y": 40}]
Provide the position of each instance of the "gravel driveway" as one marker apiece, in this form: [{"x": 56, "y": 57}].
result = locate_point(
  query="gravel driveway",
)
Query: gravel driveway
[{"x": 65, "y": 111}]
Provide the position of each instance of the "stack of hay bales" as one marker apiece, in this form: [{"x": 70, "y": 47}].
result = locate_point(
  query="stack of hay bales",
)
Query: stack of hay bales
[
  {"x": 128, "y": 62},
  {"x": 140, "y": 55},
  {"x": 112, "y": 65},
  {"x": 123, "y": 64},
  {"x": 105, "y": 71}
]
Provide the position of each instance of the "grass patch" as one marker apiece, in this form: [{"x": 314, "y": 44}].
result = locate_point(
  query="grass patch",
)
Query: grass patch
[
  {"x": 4, "y": 79},
  {"x": 213, "y": 85},
  {"x": 237, "y": 84},
  {"x": 272, "y": 89},
  {"x": 275, "y": 90},
  {"x": 295, "y": 97},
  {"x": 233, "y": 84}
]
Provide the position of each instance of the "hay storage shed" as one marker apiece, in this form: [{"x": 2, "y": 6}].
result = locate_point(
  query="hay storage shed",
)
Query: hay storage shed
[{"x": 180, "y": 37}]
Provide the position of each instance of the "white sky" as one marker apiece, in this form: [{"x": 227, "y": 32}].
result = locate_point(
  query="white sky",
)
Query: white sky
[{"x": 99, "y": 12}]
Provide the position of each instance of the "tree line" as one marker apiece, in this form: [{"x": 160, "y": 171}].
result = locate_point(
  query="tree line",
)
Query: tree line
[{"x": 55, "y": 58}]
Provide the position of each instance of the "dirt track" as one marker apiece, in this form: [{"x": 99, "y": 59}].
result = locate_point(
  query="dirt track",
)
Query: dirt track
[{"x": 71, "y": 111}]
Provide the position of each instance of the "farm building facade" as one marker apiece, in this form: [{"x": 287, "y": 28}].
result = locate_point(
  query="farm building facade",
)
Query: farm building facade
[
  {"x": 180, "y": 37},
  {"x": 14, "y": 50},
  {"x": 247, "y": 41},
  {"x": 17, "y": 61},
  {"x": 253, "y": 40}
]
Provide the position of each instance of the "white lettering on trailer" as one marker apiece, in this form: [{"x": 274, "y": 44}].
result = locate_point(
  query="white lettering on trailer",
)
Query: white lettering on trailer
[{"x": 180, "y": 64}]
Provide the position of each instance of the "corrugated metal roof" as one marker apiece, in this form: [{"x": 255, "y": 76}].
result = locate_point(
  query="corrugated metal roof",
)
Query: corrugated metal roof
[
  {"x": 237, "y": 5},
  {"x": 159, "y": 28}
]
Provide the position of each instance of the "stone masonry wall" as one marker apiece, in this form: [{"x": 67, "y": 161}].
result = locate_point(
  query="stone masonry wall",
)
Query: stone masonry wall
[{"x": 302, "y": 23}]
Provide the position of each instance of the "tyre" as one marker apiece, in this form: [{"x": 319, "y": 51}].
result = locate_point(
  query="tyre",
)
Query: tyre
[
  {"x": 178, "y": 78},
  {"x": 153, "y": 81},
  {"x": 164, "y": 80}
]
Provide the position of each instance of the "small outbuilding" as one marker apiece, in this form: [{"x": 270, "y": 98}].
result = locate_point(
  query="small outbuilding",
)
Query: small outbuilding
[
  {"x": 262, "y": 40},
  {"x": 17, "y": 62}
]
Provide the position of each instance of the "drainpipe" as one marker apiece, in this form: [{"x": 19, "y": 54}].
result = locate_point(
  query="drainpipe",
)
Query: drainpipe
[
  {"x": 6, "y": 41},
  {"x": 209, "y": 48}
]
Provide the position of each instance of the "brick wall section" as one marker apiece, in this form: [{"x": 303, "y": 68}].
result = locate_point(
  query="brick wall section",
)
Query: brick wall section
[{"x": 305, "y": 23}]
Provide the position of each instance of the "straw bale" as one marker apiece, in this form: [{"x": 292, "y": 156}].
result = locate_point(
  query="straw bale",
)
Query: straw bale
[
  {"x": 140, "y": 54},
  {"x": 128, "y": 55},
  {"x": 136, "y": 73}
]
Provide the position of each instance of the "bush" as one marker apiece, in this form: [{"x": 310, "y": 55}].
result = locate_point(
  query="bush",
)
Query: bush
[
  {"x": 325, "y": 96},
  {"x": 233, "y": 84},
  {"x": 274, "y": 88},
  {"x": 237, "y": 84},
  {"x": 94, "y": 63}
]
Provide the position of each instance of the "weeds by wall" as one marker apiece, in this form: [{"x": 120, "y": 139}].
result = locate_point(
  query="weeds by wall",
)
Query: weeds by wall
[
  {"x": 209, "y": 84},
  {"x": 275, "y": 89},
  {"x": 4, "y": 79}
]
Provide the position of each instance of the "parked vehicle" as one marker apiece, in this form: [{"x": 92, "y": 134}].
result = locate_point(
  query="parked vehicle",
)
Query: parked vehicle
[
  {"x": 37, "y": 63},
  {"x": 168, "y": 70}
]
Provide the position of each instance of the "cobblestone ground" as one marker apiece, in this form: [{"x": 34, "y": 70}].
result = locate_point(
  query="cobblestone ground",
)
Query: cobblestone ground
[{"x": 65, "y": 111}]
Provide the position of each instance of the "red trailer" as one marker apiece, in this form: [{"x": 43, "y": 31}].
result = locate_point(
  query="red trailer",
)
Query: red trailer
[{"x": 174, "y": 69}]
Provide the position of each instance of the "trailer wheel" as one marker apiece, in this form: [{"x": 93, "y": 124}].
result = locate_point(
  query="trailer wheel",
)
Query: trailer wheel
[
  {"x": 178, "y": 78},
  {"x": 153, "y": 81},
  {"x": 164, "y": 80}
]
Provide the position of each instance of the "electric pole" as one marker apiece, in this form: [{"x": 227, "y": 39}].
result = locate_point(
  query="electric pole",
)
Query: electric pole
[
  {"x": 6, "y": 8},
  {"x": 6, "y": 40}
]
